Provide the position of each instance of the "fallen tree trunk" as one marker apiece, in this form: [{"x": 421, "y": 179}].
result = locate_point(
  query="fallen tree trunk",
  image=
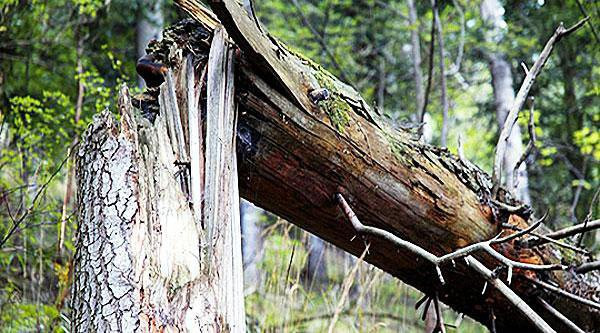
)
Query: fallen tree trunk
[{"x": 304, "y": 136}]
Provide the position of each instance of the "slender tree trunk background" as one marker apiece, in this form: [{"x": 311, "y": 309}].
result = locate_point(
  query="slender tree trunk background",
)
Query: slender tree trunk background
[
  {"x": 315, "y": 271},
  {"x": 504, "y": 94},
  {"x": 252, "y": 244},
  {"x": 416, "y": 57}
]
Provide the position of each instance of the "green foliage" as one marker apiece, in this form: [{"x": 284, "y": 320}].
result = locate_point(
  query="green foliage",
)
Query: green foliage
[{"x": 48, "y": 50}]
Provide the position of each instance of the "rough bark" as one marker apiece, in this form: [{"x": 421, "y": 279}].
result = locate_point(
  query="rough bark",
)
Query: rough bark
[
  {"x": 295, "y": 154},
  {"x": 144, "y": 263},
  {"x": 135, "y": 264}
]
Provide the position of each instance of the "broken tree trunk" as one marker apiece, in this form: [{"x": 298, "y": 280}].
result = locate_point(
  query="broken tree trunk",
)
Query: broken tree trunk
[
  {"x": 297, "y": 148},
  {"x": 148, "y": 259},
  {"x": 303, "y": 136}
]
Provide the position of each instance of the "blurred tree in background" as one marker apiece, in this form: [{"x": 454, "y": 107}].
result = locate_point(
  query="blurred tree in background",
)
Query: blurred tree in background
[{"x": 62, "y": 61}]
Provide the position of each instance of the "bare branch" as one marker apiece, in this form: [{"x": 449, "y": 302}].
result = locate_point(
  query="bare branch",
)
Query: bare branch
[
  {"x": 517, "y": 301},
  {"x": 560, "y": 316},
  {"x": 584, "y": 12},
  {"x": 439, "y": 319},
  {"x": 530, "y": 145},
  {"x": 321, "y": 40},
  {"x": 588, "y": 217},
  {"x": 484, "y": 246},
  {"x": 517, "y": 104},
  {"x": 538, "y": 236},
  {"x": 348, "y": 281},
  {"x": 17, "y": 222},
  {"x": 508, "y": 208},
  {"x": 571, "y": 231},
  {"x": 492, "y": 320},
  {"x": 566, "y": 294},
  {"x": 588, "y": 267}
]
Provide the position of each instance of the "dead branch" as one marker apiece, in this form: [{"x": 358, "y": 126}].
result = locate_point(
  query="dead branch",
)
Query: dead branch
[
  {"x": 588, "y": 267},
  {"x": 530, "y": 145},
  {"x": 538, "y": 236},
  {"x": 517, "y": 104},
  {"x": 464, "y": 252},
  {"x": 570, "y": 231},
  {"x": 321, "y": 41},
  {"x": 560, "y": 316},
  {"x": 348, "y": 282},
  {"x": 485, "y": 246},
  {"x": 588, "y": 217},
  {"x": 523, "y": 307},
  {"x": 565, "y": 293},
  {"x": 584, "y": 12},
  {"x": 439, "y": 319}
]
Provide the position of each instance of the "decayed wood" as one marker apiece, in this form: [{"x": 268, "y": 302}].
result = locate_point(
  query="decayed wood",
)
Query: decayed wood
[
  {"x": 294, "y": 155},
  {"x": 221, "y": 200}
]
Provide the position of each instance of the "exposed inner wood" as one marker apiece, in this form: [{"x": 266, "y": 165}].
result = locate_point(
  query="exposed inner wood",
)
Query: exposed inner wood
[{"x": 295, "y": 155}]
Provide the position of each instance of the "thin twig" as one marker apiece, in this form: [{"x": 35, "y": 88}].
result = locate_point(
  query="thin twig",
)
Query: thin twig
[
  {"x": 439, "y": 319},
  {"x": 572, "y": 230},
  {"x": 492, "y": 320},
  {"x": 588, "y": 267},
  {"x": 517, "y": 301},
  {"x": 348, "y": 281},
  {"x": 560, "y": 316},
  {"x": 565, "y": 294},
  {"x": 321, "y": 41},
  {"x": 508, "y": 208},
  {"x": 528, "y": 243},
  {"x": 584, "y": 12},
  {"x": 588, "y": 217},
  {"x": 517, "y": 104},
  {"x": 18, "y": 221}
]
